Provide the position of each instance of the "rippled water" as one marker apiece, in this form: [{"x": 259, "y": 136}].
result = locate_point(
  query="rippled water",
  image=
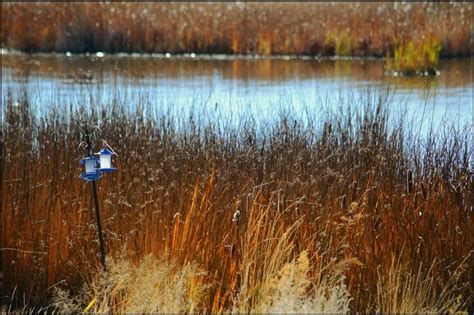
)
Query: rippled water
[{"x": 234, "y": 86}]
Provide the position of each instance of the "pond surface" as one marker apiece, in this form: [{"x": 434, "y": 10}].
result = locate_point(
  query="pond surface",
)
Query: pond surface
[{"x": 233, "y": 87}]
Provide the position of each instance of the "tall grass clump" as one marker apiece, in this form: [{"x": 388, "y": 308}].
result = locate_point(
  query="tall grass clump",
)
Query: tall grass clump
[
  {"x": 361, "y": 29},
  {"x": 152, "y": 286},
  {"x": 410, "y": 58},
  {"x": 292, "y": 292},
  {"x": 319, "y": 206},
  {"x": 402, "y": 291}
]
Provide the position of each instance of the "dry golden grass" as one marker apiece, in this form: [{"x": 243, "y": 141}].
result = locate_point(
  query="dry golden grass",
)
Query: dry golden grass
[
  {"x": 349, "y": 189},
  {"x": 268, "y": 284},
  {"x": 401, "y": 291},
  {"x": 290, "y": 291},
  {"x": 152, "y": 286},
  {"x": 238, "y": 28}
]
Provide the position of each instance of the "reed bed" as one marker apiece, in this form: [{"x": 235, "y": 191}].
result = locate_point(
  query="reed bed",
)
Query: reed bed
[
  {"x": 354, "y": 29},
  {"x": 329, "y": 204}
]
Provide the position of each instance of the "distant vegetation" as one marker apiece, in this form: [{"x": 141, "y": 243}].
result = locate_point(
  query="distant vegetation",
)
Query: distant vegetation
[
  {"x": 350, "y": 210},
  {"x": 346, "y": 29},
  {"x": 410, "y": 58}
]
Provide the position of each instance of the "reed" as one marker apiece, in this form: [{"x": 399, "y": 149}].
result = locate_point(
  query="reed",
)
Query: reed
[
  {"x": 352, "y": 189},
  {"x": 360, "y": 29}
]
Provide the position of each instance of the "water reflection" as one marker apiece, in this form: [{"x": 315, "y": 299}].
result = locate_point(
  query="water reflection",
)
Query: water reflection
[
  {"x": 455, "y": 72},
  {"x": 234, "y": 85}
]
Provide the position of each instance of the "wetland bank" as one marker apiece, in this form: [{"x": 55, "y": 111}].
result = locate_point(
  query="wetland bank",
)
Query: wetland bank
[{"x": 246, "y": 183}]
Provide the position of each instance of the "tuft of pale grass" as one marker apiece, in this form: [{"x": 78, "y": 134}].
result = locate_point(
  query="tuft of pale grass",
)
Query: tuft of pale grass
[
  {"x": 402, "y": 291},
  {"x": 152, "y": 286},
  {"x": 291, "y": 291}
]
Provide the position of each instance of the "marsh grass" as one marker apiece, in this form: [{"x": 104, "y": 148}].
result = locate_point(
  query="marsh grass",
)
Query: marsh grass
[
  {"x": 412, "y": 58},
  {"x": 150, "y": 287},
  {"x": 291, "y": 291},
  {"x": 235, "y": 28},
  {"x": 402, "y": 291},
  {"x": 351, "y": 189}
]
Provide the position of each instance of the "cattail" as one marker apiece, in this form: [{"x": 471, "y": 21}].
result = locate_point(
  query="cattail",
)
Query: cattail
[
  {"x": 249, "y": 195},
  {"x": 236, "y": 217},
  {"x": 354, "y": 191},
  {"x": 409, "y": 182},
  {"x": 423, "y": 190}
]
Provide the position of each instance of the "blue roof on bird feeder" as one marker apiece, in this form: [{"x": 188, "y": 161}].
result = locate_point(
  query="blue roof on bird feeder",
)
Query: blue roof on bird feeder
[{"x": 105, "y": 151}]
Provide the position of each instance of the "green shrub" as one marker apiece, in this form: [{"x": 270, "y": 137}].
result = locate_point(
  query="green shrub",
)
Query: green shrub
[
  {"x": 410, "y": 57},
  {"x": 341, "y": 42}
]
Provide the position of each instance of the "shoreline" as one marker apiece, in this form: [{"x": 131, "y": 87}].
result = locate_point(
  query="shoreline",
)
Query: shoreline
[{"x": 202, "y": 56}]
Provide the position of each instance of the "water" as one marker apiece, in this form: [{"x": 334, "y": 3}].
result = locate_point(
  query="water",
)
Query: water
[{"x": 232, "y": 87}]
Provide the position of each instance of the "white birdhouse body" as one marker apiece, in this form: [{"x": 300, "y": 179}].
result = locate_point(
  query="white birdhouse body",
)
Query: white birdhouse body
[
  {"x": 105, "y": 161},
  {"x": 90, "y": 165},
  {"x": 105, "y": 156}
]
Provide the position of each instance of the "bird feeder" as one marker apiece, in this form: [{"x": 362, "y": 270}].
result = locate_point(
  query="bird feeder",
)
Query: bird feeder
[
  {"x": 105, "y": 156},
  {"x": 91, "y": 172}
]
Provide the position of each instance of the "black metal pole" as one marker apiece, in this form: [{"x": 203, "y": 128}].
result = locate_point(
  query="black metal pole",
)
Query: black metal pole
[
  {"x": 97, "y": 211},
  {"x": 99, "y": 226}
]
